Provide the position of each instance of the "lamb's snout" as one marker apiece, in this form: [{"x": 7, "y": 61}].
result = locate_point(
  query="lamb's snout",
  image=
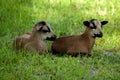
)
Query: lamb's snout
[
  {"x": 52, "y": 38},
  {"x": 99, "y": 35}
]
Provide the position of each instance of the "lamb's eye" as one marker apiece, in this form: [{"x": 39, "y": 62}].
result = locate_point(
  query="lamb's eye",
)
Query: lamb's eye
[
  {"x": 45, "y": 31},
  {"x": 92, "y": 28}
]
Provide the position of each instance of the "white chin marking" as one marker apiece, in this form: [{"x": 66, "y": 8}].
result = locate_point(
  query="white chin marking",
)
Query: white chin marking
[{"x": 93, "y": 35}]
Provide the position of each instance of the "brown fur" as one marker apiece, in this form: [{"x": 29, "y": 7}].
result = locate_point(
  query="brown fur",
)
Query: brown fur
[
  {"x": 33, "y": 41},
  {"x": 74, "y": 45}
]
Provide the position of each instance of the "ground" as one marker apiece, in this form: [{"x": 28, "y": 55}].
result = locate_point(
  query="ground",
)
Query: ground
[{"x": 66, "y": 18}]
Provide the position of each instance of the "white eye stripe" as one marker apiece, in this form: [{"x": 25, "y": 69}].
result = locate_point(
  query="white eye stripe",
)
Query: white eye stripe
[
  {"x": 49, "y": 27},
  {"x": 95, "y": 25}
]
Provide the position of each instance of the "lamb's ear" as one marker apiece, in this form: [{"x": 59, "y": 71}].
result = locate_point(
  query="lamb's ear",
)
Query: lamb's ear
[
  {"x": 86, "y": 23},
  {"x": 104, "y": 22}
]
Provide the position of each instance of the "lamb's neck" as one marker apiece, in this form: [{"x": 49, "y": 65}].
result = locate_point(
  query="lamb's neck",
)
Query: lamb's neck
[
  {"x": 35, "y": 37},
  {"x": 88, "y": 38},
  {"x": 87, "y": 34}
]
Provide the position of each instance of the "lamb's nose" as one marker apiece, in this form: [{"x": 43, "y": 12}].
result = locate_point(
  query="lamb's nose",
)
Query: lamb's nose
[
  {"x": 54, "y": 37},
  {"x": 100, "y": 34}
]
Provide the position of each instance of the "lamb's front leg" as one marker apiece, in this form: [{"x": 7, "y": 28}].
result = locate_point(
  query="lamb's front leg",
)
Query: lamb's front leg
[{"x": 42, "y": 49}]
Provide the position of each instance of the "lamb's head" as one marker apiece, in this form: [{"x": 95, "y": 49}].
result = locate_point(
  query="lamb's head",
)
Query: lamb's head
[
  {"x": 44, "y": 31},
  {"x": 95, "y": 26}
]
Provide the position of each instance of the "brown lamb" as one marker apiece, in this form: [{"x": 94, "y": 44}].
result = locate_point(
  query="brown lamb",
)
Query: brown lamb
[
  {"x": 82, "y": 44},
  {"x": 34, "y": 41}
]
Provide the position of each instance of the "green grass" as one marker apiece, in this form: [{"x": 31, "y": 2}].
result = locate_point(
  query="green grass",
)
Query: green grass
[{"x": 65, "y": 18}]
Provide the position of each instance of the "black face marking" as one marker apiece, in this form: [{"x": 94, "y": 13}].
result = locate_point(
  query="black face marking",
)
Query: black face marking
[
  {"x": 48, "y": 29},
  {"x": 51, "y": 38},
  {"x": 42, "y": 22},
  {"x": 45, "y": 31},
  {"x": 40, "y": 29},
  {"x": 43, "y": 25},
  {"x": 98, "y": 35},
  {"x": 94, "y": 26}
]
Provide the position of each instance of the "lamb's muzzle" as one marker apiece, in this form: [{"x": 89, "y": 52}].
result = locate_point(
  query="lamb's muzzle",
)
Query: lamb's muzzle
[
  {"x": 98, "y": 35},
  {"x": 52, "y": 38}
]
